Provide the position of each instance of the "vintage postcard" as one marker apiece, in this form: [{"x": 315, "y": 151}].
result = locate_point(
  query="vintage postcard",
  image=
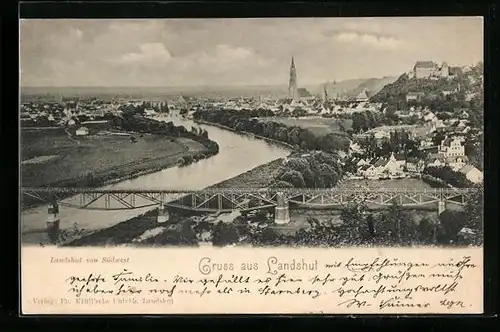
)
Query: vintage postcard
[{"x": 265, "y": 165}]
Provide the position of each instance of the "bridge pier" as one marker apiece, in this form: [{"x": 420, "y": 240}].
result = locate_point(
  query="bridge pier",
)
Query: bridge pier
[
  {"x": 53, "y": 219},
  {"x": 441, "y": 206},
  {"x": 163, "y": 215},
  {"x": 281, "y": 212}
]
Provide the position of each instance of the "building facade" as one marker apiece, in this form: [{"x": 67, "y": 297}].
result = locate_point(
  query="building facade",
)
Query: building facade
[
  {"x": 452, "y": 147},
  {"x": 430, "y": 69}
]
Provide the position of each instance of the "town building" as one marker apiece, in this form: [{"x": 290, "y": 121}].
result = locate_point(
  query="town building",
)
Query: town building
[
  {"x": 472, "y": 174},
  {"x": 414, "y": 96},
  {"x": 362, "y": 96},
  {"x": 430, "y": 70},
  {"x": 396, "y": 163},
  {"x": 82, "y": 131},
  {"x": 452, "y": 147},
  {"x": 414, "y": 165}
]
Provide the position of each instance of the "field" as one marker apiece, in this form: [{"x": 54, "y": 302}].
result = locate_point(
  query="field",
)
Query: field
[
  {"x": 317, "y": 125},
  {"x": 103, "y": 156},
  {"x": 395, "y": 183}
]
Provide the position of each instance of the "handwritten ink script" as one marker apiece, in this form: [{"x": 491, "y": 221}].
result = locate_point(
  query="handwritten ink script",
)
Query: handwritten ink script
[{"x": 325, "y": 284}]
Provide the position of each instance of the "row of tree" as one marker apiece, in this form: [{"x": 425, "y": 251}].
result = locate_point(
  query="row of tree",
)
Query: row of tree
[
  {"x": 294, "y": 135},
  {"x": 364, "y": 121},
  {"x": 137, "y": 123}
]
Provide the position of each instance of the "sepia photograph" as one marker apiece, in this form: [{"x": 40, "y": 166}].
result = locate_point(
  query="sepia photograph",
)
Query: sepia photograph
[{"x": 265, "y": 132}]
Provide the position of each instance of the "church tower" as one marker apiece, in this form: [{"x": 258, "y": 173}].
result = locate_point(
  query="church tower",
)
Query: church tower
[{"x": 292, "y": 86}]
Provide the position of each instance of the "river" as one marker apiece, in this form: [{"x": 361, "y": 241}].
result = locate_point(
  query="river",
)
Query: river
[{"x": 237, "y": 154}]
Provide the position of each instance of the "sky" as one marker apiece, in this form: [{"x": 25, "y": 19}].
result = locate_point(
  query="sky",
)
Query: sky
[{"x": 229, "y": 52}]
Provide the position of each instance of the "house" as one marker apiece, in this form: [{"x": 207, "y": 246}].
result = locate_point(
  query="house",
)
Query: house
[
  {"x": 429, "y": 116},
  {"x": 426, "y": 143},
  {"x": 82, "y": 131},
  {"x": 452, "y": 147},
  {"x": 381, "y": 134},
  {"x": 462, "y": 124},
  {"x": 355, "y": 148},
  {"x": 455, "y": 163},
  {"x": 414, "y": 96},
  {"x": 150, "y": 112},
  {"x": 472, "y": 173},
  {"x": 380, "y": 166},
  {"x": 363, "y": 96},
  {"x": 464, "y": 114},
  {"x": 367, "y": 170},
  {"x": 361, "y": 162},
  {"x": 414, "y": 165},
  {"x": 395, "y": 163},
  {"x": 434, "y": 162}
]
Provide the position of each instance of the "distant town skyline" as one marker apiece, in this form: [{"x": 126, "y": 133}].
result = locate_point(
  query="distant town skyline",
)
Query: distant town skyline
[{"x": 238, "y": 52}]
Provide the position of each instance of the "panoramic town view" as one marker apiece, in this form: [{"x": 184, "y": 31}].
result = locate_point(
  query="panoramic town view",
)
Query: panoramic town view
[{"x": 323, "y": 132}]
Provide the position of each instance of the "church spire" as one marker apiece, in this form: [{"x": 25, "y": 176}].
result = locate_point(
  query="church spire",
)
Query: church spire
[{"x": 292, "y": 86}]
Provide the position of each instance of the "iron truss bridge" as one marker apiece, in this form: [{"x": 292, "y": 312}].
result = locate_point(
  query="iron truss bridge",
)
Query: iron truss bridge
[{"x": 227, "y": 200}]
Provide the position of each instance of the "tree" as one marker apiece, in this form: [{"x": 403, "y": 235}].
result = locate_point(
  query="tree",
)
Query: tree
[
  {"x": 283, "y": 135},
  {"x": 302, "y": 165},
  {"x": 370, "y": 225},
  {"x": 327, "y": 176},
  {"x": 268, "y": 236},
  {"x": 307, "y": 139},
  {"x": 352, "y": 217},
  {"x": 282, "y": 184},
  {"x": 452, "y": 222},
  {"x": 293, "y": 177},
  {"x": 224, "y": 234},
  {"x": 402, "y": 229},
  {"x": 427, "y": 230},
  {"x": 474, "y": 210},
  {"x": 293, "y": 135}
]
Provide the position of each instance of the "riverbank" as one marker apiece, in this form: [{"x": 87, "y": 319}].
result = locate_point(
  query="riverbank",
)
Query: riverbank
[
  {"x": 258, "y": 177},
  {"x": 244, "y": 133}
]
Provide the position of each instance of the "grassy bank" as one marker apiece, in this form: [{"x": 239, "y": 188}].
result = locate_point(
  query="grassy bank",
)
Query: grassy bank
[
  {"x": 259, "y": 177},
  {"x": 58, "y": 158},
  {"x": 103, "y": 157}
]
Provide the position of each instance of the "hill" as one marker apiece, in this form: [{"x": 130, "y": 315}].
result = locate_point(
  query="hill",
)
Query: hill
[
  {"x": 374, "y": 85},
  {"x": 353, "y": 87},
  {"x": 465, "y": 90}
]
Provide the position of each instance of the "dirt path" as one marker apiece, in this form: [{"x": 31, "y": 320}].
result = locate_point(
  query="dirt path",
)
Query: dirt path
[{"x": 71, "y": 136}]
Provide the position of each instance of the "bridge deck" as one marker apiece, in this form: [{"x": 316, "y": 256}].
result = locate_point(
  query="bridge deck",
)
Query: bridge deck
[{"x": 241, "y": 198}]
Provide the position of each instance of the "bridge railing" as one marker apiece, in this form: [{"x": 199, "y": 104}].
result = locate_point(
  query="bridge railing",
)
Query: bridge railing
[{"x": 289, "y": 191}]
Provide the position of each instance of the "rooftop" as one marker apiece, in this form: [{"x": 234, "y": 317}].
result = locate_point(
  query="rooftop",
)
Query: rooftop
[{"x": 467, "y": 168}]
